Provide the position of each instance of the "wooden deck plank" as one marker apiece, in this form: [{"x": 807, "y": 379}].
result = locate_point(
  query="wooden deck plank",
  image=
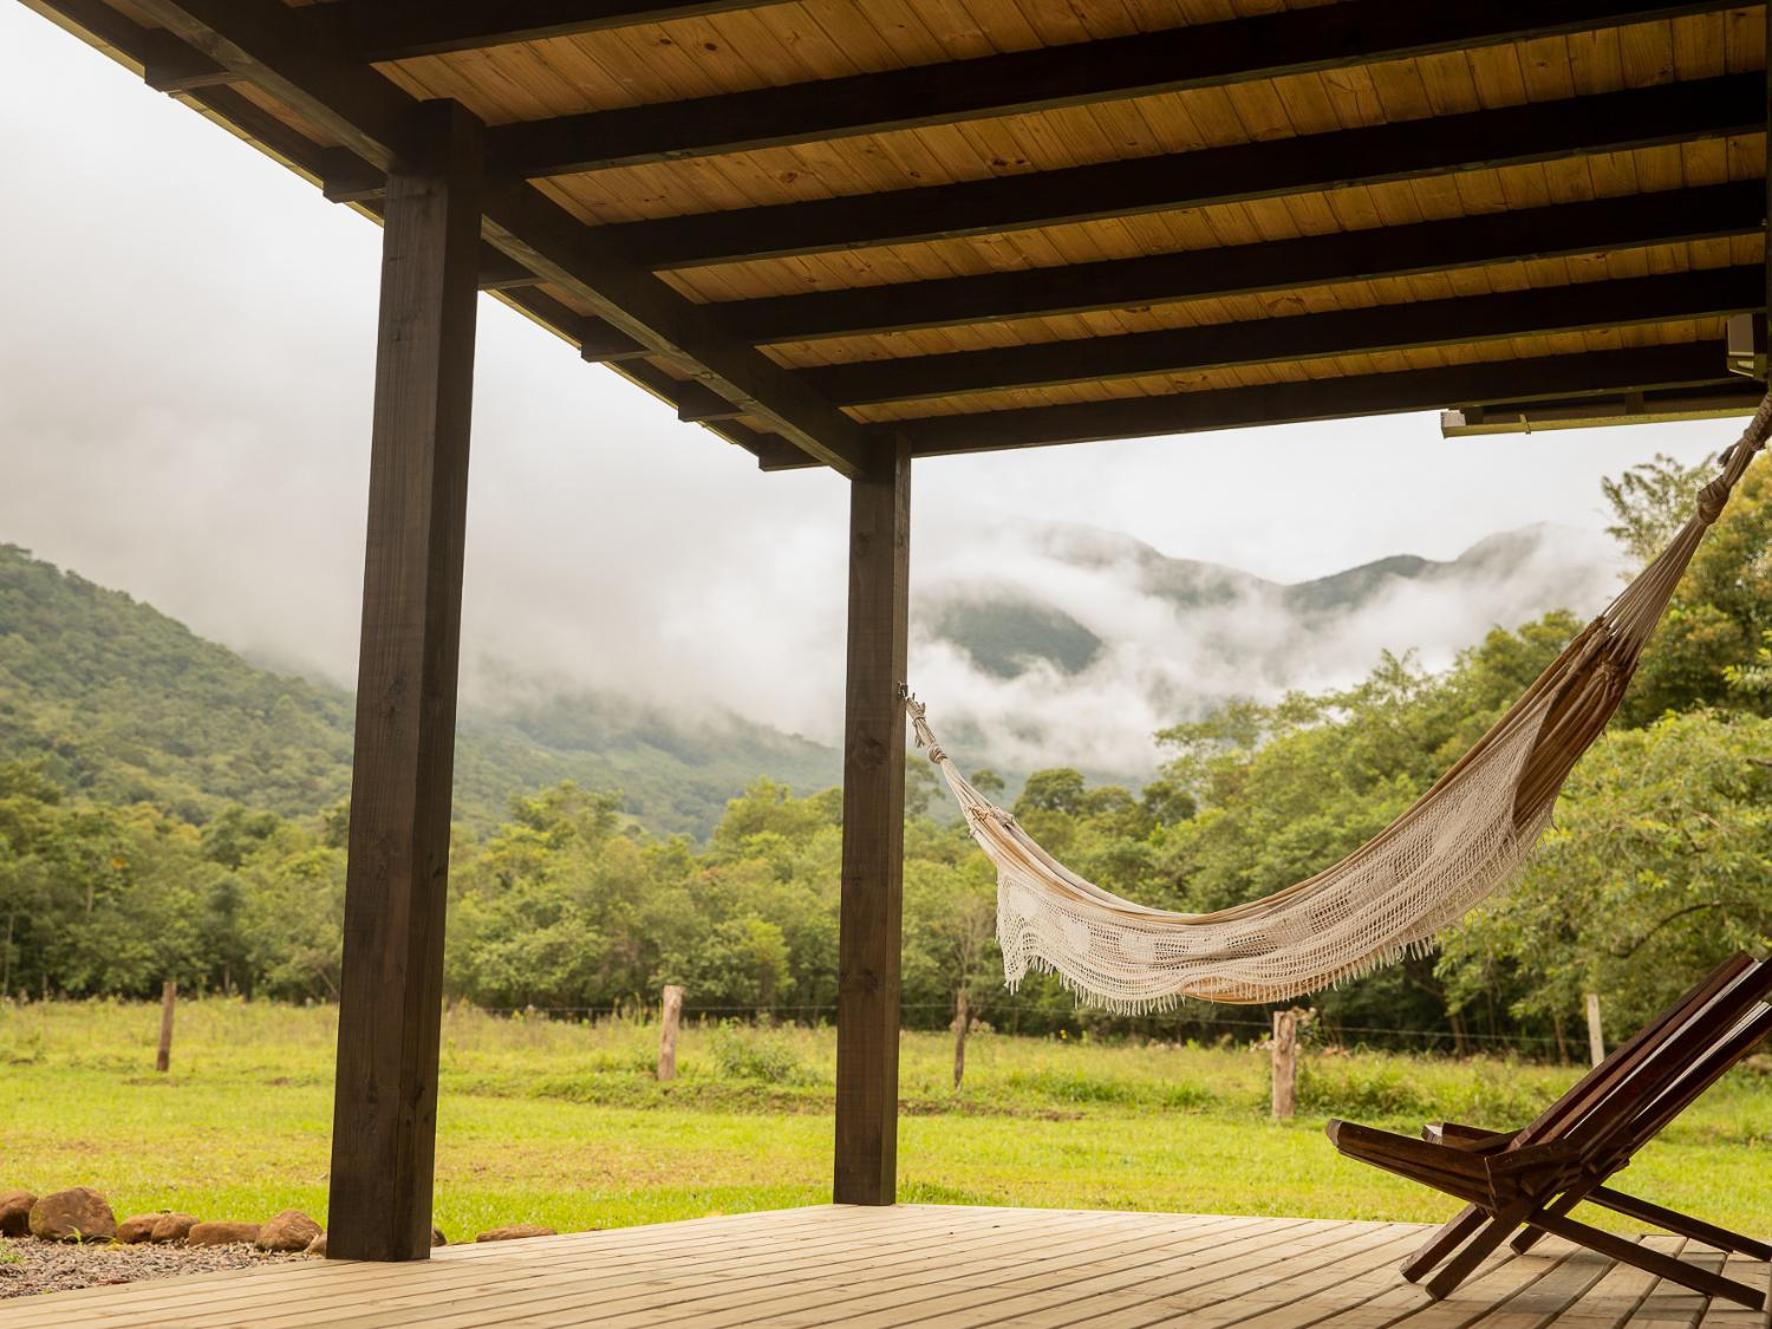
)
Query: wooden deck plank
[
  {"x": 935, "y": 1266},
  {"x": 1058, "y": 1283},
  {"x": 586, "y": 1278},
  {"x": 259, "y": 1286},
  {"x": 596, "y": 1275},
  {"x": 1618, "y": 1296},
  {"x": 934, "y": 1275},
  {"x": 746, "y": 1283},
  {"x": 1269, "y": 1299}
]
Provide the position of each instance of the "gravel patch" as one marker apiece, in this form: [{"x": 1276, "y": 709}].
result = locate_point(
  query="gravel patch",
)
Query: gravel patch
[{"x": 30, "y": 1266}]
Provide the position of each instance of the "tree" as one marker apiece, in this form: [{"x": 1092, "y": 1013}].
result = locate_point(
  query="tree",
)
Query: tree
[
  {"x": 1707, "y": 651},
  {"x": 1653, "y": 874},
  {"x": 951, "y": 913},
  {"x": 1652, "y": 500}
]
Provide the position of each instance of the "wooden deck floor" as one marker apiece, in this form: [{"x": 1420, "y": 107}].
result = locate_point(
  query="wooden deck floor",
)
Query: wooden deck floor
[{"x": 916, "y": 1265}]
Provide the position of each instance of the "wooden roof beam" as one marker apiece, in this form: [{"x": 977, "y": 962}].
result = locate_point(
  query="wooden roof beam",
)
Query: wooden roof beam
[
  {"x": 377, "y": 30},
  {"x": 1209, "y": 55},
  {"x": 1516, "y": 135},
  {"x": 1552, "y": 376},
  {"x": 1632, "y": 222},
  {"x": 267, "y": 43},
  {"x": 1714, "y": 292}
]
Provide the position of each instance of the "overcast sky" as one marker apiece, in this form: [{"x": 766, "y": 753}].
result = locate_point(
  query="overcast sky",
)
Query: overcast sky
[{"x": 186, "y": 347}]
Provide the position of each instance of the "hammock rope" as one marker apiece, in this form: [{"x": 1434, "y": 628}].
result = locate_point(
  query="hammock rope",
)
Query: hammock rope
[{"x": 1445, "y": 853}]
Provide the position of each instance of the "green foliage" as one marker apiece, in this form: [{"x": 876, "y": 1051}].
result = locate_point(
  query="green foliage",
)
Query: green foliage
[
  {"x": 120, "y": 703},
  {"x": 1655, "y": 871},
  {"x": 1652, "y": 500},
  {"x": 1710, "y": 650},
  {"x": 768, "y": 1059},
  {"x": 139, "y": 841}
]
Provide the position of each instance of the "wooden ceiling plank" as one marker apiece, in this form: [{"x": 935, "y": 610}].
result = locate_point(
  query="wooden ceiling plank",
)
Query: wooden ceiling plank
[
  {"x": 369, "y": 31},
  {"x": 1541, "y": 311},
  {"x": 1221, "y": 55},
  {"x": 262, "y": 41},
  {"x": 1554, "y": 376},
  {"x": 1513, "y": 136},
  {"x": 1626, "y": 223}
]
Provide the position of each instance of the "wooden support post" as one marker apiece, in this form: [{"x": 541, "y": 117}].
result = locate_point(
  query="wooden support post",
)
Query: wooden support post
[
  {"x": 671, "y": 1017},
  {"x": 168, "y": 999},
  {"x": 390, "y": 1007},
  {"x": 1285, "y": 1063},
  {"x": 1596, "y": 1038},
  {"x": 873, "y": 832}
]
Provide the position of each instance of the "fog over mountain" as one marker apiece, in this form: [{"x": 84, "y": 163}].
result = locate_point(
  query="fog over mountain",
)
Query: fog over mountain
[
  {"x": 1062, "y": 643},
  {"x": 187, "y": 419}
]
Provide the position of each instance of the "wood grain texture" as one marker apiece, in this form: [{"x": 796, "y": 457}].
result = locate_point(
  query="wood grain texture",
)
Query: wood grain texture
[
  {"x": 861, "y": 1266},
  {"x": 1227, "y": 135},
  {"x": 1326, "y": 398},
  {"x": 384, "y": 1117},
  {"x": 1714, "y": 293},
  {"x": 1668, "y": 220},
  {"x": 1211, "y": 55},
  {"x": 869, "y": 941},
  {"x": 1575, "y": 127}
]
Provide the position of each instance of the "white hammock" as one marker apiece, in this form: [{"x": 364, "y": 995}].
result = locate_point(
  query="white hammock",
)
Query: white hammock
[{"x": 1457, "y": 843}]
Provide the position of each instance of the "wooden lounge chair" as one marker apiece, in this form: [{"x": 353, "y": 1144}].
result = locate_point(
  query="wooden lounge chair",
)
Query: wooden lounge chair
[{"x": 1524, "y": 1183}]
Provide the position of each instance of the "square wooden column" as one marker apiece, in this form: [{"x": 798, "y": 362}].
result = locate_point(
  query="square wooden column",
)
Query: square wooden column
[
  {"x": 873, "y": 833},
  {"x": 390, "y": 1003}
]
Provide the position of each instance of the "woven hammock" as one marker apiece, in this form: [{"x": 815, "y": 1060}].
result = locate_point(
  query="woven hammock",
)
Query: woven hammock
[{"x": 1450, "y": 849}]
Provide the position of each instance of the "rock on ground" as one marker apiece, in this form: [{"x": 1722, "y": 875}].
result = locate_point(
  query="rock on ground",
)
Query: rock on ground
[
  {"x": 318, "y": 1245},
  {"x": 139, "y": 1228},
  {"x": 15, "y": 1213},
  {"x": 222, "y": 1234},
  {"x": 28, "y": 1267},
  {"x": 291, "y": 1230},
  {"x": 174, "y": 1227},
  {"x": 515, "y": 1232},
  {"x": 79, "y": 1214}
]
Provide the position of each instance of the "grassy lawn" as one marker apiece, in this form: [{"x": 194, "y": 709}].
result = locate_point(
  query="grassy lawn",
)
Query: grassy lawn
[{"x": 563, "y": 1124}]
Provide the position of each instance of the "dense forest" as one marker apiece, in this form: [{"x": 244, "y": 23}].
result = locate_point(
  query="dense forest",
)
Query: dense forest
[
  {"x": 119, "y": 703},
  {"x": 152, "y": 829}
]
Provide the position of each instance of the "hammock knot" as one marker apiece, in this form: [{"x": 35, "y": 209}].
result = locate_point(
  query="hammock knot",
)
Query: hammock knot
[
  {"x": 937, "y": 753},
  {"x": 1711, "y": 500}
]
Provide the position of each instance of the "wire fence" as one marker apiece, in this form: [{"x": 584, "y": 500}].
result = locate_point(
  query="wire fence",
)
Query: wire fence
[{"x": 1205, "y": 1025}]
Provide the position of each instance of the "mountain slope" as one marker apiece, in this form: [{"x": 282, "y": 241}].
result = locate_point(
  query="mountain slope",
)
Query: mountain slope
[
  {"x": 1008, "y": 629},
  {"x": 127, "y": 704}
]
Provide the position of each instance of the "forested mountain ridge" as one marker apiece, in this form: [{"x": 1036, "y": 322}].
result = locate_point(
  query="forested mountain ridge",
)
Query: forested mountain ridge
[
  {"x": 1007, "y": 629},
  {"x": 124, "y": 704}
]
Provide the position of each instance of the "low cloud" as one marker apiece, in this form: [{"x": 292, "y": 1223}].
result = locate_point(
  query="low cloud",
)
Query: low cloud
[
  {"x": 185, "y": 378},
  {"x": 1161, "y": 661}
]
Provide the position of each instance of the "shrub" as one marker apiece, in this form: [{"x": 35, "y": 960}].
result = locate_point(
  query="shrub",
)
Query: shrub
[{"x": 749, "y": 1055}]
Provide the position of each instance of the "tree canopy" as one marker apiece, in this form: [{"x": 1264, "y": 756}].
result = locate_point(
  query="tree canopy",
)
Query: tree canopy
[{"x": 118, "y": 869}]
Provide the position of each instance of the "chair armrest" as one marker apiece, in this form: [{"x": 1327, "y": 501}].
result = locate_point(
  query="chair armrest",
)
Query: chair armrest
[{"x": 1473, "y": 1139}]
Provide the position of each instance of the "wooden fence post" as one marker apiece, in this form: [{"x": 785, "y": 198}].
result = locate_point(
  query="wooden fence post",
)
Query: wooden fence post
[
  {"x": 168, "y": 998},
  {"x": 1285, "y": 1063},
  {"x": 1596, "y": 1039},
  {"x": 962, "y": 1024},
  {"x": 667, "y": 1032}
]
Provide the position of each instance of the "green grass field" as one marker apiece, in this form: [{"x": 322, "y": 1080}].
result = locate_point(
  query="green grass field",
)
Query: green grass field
[{"x": 563, "y": 1124}]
